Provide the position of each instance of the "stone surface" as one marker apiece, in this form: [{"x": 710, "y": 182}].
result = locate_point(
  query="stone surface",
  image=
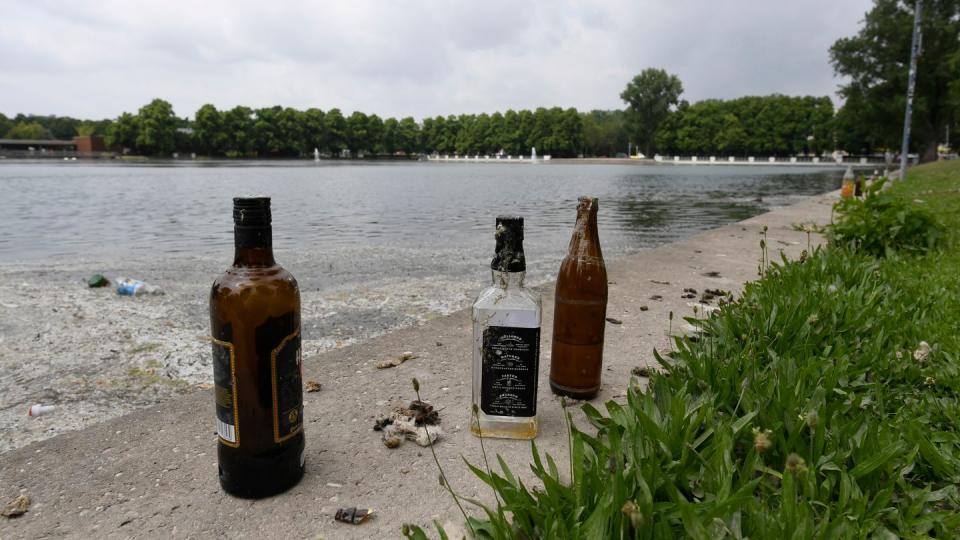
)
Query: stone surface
[{"x": 153, "y": 473}]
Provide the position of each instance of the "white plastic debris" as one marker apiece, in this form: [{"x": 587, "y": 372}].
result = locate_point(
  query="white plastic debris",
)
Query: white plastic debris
[{"x": 40, "y": 410}]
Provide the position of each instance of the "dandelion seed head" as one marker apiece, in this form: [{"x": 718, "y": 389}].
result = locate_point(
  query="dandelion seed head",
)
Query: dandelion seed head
[
  {"x": 761, "y": 440},
  {"x": 795, "y": 464}
]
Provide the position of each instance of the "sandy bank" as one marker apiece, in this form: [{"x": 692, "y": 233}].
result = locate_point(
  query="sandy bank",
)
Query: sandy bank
[{"x": 153, "y": 472}]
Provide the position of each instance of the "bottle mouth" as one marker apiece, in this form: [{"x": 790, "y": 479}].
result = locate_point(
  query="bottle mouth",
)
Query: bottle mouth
[
  {"x": 251, "y": 211},
  {"x": 587, "y": 203}
]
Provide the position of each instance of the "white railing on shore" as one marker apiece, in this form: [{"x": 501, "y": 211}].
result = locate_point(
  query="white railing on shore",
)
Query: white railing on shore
[
  {"x": 486, "y": 158},
  {"x": 818, "y": 161},
  {"x": 772, "y": 160}
]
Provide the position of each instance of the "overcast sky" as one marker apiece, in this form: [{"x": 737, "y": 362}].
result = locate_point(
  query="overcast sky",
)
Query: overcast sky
[{"x": 96, "y": 59}]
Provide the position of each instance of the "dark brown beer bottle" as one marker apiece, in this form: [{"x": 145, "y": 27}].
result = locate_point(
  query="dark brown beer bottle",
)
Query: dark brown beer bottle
[
  {"x": 255, "y": 323},
  {"x": 580, "y": 311}
]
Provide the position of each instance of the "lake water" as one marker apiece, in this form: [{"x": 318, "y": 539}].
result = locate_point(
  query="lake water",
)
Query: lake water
[{"x": 423, "y": 213}]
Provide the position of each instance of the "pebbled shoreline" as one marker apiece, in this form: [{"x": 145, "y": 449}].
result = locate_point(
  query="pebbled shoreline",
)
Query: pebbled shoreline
[{"x": 96, "y": 355}]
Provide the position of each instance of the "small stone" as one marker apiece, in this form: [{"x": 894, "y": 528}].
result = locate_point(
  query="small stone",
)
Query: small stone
[
  {"x": 392, "y": 442},
  {"x": 16, "y": 507}
]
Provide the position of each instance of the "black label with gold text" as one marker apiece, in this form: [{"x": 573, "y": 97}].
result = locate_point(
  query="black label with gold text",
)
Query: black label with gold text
[
  {"x": 511, "y": 358},
  {"x": 287, "y": 388},
  {"x": 281, "y": 382}
]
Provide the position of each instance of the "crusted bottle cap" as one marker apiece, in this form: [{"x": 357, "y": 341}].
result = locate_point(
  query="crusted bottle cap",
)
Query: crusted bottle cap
[{"x": 509, "y": 254}]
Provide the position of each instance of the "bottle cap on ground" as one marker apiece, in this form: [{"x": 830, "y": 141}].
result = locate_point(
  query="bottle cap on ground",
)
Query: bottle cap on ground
[
  {"x": 509, "y": 255},
  {"x": 251, "y": 211}
]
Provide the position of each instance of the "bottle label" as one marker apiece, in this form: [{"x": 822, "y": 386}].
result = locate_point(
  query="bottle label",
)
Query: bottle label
[
  {"x": 225, "y": 384},
  {"x": 286, "y": 380},
  {"x": 511, "y": 358}
]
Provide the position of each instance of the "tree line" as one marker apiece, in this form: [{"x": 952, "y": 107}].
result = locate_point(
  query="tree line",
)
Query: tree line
[
  {"x": 776, "y": 124},
  {"x": 655, "y": 119},
  {"x": 767, "y": 125}
]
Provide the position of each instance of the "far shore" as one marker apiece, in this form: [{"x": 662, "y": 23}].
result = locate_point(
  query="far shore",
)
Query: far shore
[{"x": 723, "y": 161}]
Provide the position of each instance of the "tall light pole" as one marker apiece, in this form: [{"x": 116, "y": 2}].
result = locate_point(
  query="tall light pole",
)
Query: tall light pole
[{"x": 911, "y": 86}]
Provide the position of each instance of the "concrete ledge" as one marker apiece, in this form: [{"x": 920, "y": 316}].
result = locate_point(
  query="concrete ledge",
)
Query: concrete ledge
[{"x": 153, "y": 473}]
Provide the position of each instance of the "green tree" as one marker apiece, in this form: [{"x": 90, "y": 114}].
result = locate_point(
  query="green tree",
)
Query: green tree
[
  {"x": 28, "y": 130},
  {"x": 238, "y": 131},
  {"x": 5, "y": 124},
  {"x": 209, "y": 132},
  {"x": 60, "y": 127},
  {"x": 266, "y": 131},
  {"x": 650, "y": 97},
  {"x": 357, "y": 134},
  {"x": 876, "y": 61},
  {"x": 765, "y": 125},
  {"x": 408, "y": 136},
  {"x": 605, "y": 133},
  {"x": 157, "y": 127},
  {"x": 510, "y": 139},
  {"x": 314, "y": 130},
  {"x": 336, "y": 131},
  {"x": 122, "y": 134},
  {"x": 290, "y": 132},
  {"x": 86, "y": 128},
  {"x": 375, "y": 134}
]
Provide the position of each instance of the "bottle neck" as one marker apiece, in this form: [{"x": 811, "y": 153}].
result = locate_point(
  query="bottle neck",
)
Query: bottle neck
[
  {"x": 508, "y": 280},
  {"x": 584, "y": 242},
  {"x": 253, "y": 246}
]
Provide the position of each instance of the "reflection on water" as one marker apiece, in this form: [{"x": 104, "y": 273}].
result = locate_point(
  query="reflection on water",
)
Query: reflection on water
[{"x": 105, "y": 210}]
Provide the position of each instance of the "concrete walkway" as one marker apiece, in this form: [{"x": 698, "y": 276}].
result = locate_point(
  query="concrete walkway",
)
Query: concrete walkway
[{"x": 153, "y": 473}]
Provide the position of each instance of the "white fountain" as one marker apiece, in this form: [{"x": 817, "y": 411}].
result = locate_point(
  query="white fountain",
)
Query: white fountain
[
  {"x": 533, "y": 154},
  {"x": 316, "y": 154}
]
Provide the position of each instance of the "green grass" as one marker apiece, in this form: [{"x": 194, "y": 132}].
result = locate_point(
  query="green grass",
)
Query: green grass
[{"x": 810, "y": 409}]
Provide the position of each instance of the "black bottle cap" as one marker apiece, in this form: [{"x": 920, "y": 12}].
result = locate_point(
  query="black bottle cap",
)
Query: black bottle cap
[
  {"x": 251, "y": 211},
  {"x": 509, "y": 256}
]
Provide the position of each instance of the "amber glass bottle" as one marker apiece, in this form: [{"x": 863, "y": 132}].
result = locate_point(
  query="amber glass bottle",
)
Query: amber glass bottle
[
  {"x": 580, "y": 310},
  {"x": 255, "y": 324}
]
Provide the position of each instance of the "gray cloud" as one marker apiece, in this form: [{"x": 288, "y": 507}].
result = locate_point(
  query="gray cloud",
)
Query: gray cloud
[{"x": 419, "y": 58}]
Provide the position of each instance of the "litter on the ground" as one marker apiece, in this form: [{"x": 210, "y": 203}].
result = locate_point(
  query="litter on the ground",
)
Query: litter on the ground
[
  {"x": 98, "y": 280},
  {"x": 16, "y": 507},
  {"x": 135, "y": 287},
  {"x": 703, "y": 308},
  {"x": 641, "y": 371},
  {"x": 394, "y": 362},
  {"x": 416, "y": 422},
  {"x": 611, "y": 320},
  {"x": 313, "y": 386},
  {"x": 353, "y": 515},
  {"x": 40, "y": 410}
]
